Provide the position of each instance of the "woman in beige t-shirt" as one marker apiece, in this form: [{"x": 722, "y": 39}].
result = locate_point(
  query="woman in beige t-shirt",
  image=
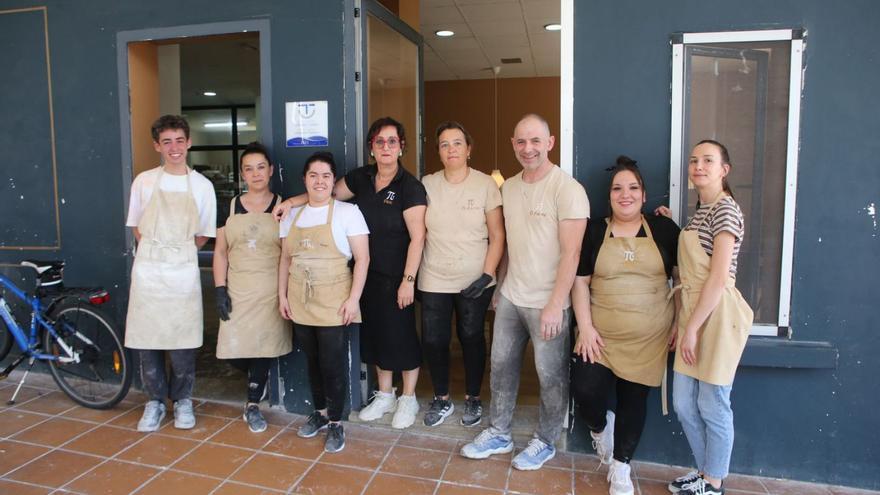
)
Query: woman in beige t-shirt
[{"x": 464, "y": 244}]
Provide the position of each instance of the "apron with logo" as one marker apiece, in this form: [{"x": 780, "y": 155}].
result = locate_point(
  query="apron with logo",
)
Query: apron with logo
[
  {"x": 722, "y": 338},
  {"x": 255, "y": 328},
  {"x": 165, "y": 301},
  {"x": 319, "y": 280},
  {"x": 630, "y": 307}
]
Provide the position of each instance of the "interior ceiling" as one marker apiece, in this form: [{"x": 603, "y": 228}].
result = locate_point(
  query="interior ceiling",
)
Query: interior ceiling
[
  {"x": 228, "y": 65},
  {"x": 487, "y": 31}
]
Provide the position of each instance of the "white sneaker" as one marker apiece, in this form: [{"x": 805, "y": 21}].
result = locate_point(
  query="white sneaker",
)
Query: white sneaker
[
  {"x": 382, "y": 403},
  {"x": 604, "y": 442},
  {"x": 619, "y": 479},
  {"x": 151, "y": 420},
  {"x": 407, "y": 408}
]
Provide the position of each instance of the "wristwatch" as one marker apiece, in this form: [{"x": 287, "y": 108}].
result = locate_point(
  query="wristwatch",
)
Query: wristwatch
[{"x": 409, "y": 278}]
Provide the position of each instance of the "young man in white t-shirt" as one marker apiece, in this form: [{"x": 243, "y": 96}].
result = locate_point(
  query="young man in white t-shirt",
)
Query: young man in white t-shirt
[{"x": 172, "y": 212}]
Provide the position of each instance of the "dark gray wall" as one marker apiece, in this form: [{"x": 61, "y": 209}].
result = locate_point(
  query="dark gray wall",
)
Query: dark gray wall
[
  {"x": 792, "y": 419},
  {"x": 306, "y": 64}
]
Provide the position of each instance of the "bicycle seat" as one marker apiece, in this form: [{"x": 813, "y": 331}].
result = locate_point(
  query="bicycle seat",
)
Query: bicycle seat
[{"x": 48, "y": 272}]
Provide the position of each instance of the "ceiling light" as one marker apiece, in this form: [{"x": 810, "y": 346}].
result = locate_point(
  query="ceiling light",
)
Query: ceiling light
[
  {"x": 553, "y": 27},
  {"x": 444, "y": 33},
  {"x": 224, "y": 124},
  {"x": 209, "y": 93}
]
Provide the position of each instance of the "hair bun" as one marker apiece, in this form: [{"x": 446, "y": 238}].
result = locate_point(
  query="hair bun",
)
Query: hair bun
[{"x": 624, "y": 160}]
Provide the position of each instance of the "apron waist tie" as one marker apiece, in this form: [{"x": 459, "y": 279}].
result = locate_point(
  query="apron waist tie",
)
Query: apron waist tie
[{"x": 677, "y": 288}]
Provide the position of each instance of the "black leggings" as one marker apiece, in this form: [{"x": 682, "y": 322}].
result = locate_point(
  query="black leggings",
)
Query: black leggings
[
  {"x": 327, "y": 353},
  {"x": 258, "y": 375},
  {"x": 470, "y": 317},
  {"x": 591, "y": 386}
]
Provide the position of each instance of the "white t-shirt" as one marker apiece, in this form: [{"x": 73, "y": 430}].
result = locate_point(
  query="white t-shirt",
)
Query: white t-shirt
[
  {"x": 202, "y": 191},
  {"x": 347, "y": 221}
]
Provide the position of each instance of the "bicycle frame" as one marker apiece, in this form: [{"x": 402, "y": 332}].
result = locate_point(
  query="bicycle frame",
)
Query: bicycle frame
[{"x": 28, "y": 343}]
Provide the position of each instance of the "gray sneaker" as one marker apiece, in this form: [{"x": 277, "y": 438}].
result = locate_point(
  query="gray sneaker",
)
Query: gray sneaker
[
  {"x": 184, "y": 419},
  {"x": 473, "y": 412},
  {"x": 316, "y": 423},
  {"x": 254, "y": 418},
  {"x": 440, "y": 409},
  {"x": 154, "y": 413},
  {"x": 335, "y": 438}
]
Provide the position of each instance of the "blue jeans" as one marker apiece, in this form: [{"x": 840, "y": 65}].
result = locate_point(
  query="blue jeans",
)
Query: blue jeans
[{"x": 704, "y": 412}]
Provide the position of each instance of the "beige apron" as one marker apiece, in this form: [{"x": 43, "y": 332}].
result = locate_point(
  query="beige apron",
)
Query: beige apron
[
  {"x": 320, "y": 280},
  {"x": 255, "y": 328},
  {"x": 165, "y": 302},
  {"x": 722, "y": 338},
  {"x": 630, "y": 307}
]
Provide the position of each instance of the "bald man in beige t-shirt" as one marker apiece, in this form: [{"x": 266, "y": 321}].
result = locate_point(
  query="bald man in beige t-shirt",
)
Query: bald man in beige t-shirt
[{"x": 545, "y": 214}]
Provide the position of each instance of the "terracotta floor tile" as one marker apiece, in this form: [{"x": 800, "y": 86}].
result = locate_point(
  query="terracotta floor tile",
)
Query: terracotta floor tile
[
  {"x": 374, "y": 433},
  {"x": 104, "y": 441},
  {"x": 11, "y": 487},
  {"x": 358, "y": 453},
  {"x": 278, "y": 417},
  {"x": 99, "y": 415},
  {"x": 158, "y": 450},
  {"x": 177, "y": 482},
  {"x": 658, "y": 472},
  {"x": 447, "y": 489},
  {"x": 486, "y": 473},
  {"x": 205, "y": 427},
  {"x": 213, "y": 460},
  {"x": 744, "y": 483},
  {"x": 130, "y": 419},
  {"x": 443, "y": 444},
  {"x": 237, "y": 434},
  {"x": 287, "y": 443},
  {"x": 14, "y": 454},
  {"x": 51, "y": 403},
  {"x": 232, "y": 488},
  {"x": 786, "y": 487},
  {"x": 651, "y": 487},
  {"x": 845, "y": 490},
  {"x": 324, "y": 479},
  {"x": 54, "y": 432},
  {"x": 543, "y": 481},
  {"x": 590, "y": 484},
  {"x": 55, "y": 468},
  {"x": 586, "y": 462},
  {"x": 220, "y": 409},
  {"x": 415, "y": 462},
  {"x": 112, "y": 478},
  {"x": 270, "y": 471},
  {"x": 389, "y": 484},
  {"x": 13, "y": 421},
  {"x": 26, "y": 394}
]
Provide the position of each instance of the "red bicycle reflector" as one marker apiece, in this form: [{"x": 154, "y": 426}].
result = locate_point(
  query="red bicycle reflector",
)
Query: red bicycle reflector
[{"x": 99, "y": 298}]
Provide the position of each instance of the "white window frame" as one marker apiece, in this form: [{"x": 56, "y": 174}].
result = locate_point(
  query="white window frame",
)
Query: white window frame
[{"x": 791, "y": 162}]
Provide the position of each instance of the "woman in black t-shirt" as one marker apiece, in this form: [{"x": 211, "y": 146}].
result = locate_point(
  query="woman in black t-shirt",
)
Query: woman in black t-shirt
[{"x": 625, "y": 317}]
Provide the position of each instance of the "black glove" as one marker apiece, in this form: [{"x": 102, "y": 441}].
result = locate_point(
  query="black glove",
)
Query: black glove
[
  {"x": 224, "y": 304},
  {"x": 476, "y": 289}
]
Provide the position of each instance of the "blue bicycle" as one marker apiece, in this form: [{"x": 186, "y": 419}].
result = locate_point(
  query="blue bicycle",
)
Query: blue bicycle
[{"x": 69, "y": 332}]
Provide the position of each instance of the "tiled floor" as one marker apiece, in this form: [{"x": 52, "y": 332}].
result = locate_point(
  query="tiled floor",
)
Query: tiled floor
[{"x": 50, "y": 445}]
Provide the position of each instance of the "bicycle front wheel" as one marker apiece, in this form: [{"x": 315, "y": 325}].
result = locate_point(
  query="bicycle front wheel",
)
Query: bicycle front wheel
[{"x": 102, "y": 376}]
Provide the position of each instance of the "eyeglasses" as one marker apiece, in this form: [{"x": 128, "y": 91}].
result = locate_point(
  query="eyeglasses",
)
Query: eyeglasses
[{"x": 391, "y": 142}]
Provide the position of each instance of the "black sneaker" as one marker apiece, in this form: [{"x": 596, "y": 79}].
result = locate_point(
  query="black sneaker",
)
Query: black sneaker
[
  {"x": 679, "y": 483},
  {"x": 473, "y": 412},
  {"x": 254, "y": 418},
  {"x": 701, "y": 487},
  {"x": 316, "y": 423},
  {"x": 335, "y": 438},
  {"x": 440, "y": 409}
]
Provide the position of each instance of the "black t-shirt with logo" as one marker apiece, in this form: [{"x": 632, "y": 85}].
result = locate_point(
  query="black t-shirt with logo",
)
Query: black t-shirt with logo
[{"x": 383, "y": 211}]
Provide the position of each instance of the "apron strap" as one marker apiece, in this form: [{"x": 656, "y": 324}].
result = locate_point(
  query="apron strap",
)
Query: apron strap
[
  {"x": 232, "y": 206},
  {"x": 298, "y": 214},
  {"x": 664, "y": 390},
  {"x": 607, "y": 230},
  {"x": 330, "y": 208},
  {"x": 648, "y": 233}
]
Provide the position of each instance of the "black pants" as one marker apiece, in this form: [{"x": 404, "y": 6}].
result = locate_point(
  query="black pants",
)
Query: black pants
[
  {"x": 183, "y": 373},
  {"x": 327, "y": 353},
  {"x": 258, "y": 375},
  {"x": 591, "y": 386},
  {"x": 470, "y": 317}
]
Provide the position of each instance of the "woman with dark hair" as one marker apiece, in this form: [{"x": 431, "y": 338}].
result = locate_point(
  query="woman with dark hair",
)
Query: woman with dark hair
[
  {"x": 625, "y": 319},
  {"x": 713, "y": 322},
  {"x": 245, "y": 273},
  {"x": 318, "y": 291},
  {"x": 393, "y": 203},
  {"x": 465, "y": 241}
]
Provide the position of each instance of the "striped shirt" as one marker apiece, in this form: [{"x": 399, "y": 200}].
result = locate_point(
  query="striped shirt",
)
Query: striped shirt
[{"x": 712, "y": 219}]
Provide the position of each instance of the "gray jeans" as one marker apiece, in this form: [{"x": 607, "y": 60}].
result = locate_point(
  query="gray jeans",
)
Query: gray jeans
[
  {"x": 514, "y": 326},
  {"x": 183, "y": 373}
]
